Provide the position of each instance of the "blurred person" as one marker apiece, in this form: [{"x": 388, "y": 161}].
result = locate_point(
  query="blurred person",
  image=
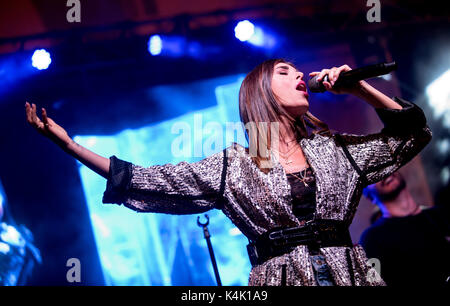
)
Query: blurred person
[
  {"x": 410, "y": 240},
  {"x": 18, "y": 255},
  {"x": 292, "y": 192}
]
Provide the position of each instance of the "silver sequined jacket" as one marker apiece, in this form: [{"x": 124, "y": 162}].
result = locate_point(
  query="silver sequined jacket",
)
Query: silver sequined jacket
[{"x": 256, "y": 202}]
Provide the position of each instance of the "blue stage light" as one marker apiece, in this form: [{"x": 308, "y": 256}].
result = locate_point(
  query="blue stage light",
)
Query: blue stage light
[
  {"x": 155, "y": 45},
  {"x": 41, "y": 59},
  {"x": 162, "y": 249},
  {"x": 244, "y": 30}
]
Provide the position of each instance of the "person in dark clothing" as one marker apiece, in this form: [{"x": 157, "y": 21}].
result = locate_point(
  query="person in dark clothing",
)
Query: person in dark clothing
[
  {"x": 411, "y": 242},
  {"x": 18, "y": 255}
]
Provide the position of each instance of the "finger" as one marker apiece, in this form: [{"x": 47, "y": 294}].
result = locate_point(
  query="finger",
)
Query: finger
[
  {"x": 322, "y": 74},
  {"x": 44, "y": 117},
  {"x": 341, "y": 69},
  {"x": 332, "y": 75},
  {"x": 32, "y": 114},
  {"x": 36, "y": 119},
  {"x": 345, "y": 68},
  {"x": 327, "y": 85},
  {"x": 314, "y": 73},
  {"x": 28, "y": 112}
]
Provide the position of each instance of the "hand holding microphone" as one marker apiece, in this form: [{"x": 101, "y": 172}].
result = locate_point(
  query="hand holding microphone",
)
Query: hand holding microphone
[{"x": 343, "y": 79}]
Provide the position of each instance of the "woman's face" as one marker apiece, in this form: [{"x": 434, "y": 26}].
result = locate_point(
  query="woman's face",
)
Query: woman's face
[{"x": 290, "y": 89}]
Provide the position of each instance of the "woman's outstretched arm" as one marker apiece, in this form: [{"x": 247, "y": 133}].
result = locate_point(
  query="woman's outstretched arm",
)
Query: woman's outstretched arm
[
  {"x": 93, "y": 161},
  {"x": 50, "y": 129},
  {"x": 184, "y": 188}
]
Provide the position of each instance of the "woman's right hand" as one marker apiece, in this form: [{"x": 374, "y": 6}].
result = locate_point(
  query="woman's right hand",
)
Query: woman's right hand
[{"x": 47, "y": 126}]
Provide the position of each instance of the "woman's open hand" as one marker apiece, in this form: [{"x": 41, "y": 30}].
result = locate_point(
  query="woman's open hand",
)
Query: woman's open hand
[
  {"x": 46, "y": 126},
  {"x": 333, "y": 75}
]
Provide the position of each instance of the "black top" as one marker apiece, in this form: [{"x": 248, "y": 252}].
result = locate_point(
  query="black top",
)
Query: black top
[
  {"x": 303, "y": 195},
  {"x": 412, "y": 250}
]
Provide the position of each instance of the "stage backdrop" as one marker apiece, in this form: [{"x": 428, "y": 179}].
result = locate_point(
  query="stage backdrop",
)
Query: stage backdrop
[{"x": 160, "y": 249}]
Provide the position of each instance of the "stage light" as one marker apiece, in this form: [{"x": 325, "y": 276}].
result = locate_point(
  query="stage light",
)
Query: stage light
[
  {"x": 175, "y": 46},
  {"x": 168, "y": 46},
  {"x": 41, "y": 59},
  {"x": 438, "y": 93},
  {"x": 386, "y": 77},
  {"x": 155, "y": 45},
  {"x": 244, "y": 30}
]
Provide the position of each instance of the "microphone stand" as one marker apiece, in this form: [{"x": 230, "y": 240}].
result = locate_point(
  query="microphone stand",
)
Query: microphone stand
[{"x": 207, "y": 236}]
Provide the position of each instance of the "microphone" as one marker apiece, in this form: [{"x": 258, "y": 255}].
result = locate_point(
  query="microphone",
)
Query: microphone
[{"x": 350, "y": 77}]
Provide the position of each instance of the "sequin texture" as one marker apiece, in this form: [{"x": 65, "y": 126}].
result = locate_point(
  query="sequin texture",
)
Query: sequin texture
[{"x": 256, "y": 202}]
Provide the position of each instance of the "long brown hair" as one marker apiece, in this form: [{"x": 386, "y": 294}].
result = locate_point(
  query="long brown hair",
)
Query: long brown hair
[{"x": 259, "y": 107}]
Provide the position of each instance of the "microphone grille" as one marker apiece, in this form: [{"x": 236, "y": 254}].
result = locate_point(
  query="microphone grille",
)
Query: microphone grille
[{"x": 315, "y": 86}]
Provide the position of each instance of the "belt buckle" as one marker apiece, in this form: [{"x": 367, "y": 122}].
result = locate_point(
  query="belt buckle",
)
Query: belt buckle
[
  {"x": 277, "y": 238},
  {"x": 276, "y": 235},
  {"x": 314, "y": 230}
]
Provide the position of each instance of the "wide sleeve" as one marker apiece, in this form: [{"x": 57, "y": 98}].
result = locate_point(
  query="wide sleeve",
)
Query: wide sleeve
[
  {"x": 404, "y": 135},
  {"x": 184, "y": 188}
]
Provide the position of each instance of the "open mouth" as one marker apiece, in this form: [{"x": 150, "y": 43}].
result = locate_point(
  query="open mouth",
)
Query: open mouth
[{"x": 301, "y": 86}]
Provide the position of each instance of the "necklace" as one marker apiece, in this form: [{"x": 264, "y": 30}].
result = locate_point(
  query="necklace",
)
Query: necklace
[
  {"x": 284, "y": 154},
  {"x": 303, "y": 176},
  {"x": 286, "y": 158},
  {"x": 289, "y": 150}
]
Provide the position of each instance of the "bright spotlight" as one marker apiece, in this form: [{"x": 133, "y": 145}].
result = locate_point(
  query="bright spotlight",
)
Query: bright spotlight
[
  {"x": 41, "y": 59},
  {"x": 248, "y": 32},
  {"x": 244, "y": 30},
  {"x": 155, "y": 45},
  {"x": 438, "y": 93}
]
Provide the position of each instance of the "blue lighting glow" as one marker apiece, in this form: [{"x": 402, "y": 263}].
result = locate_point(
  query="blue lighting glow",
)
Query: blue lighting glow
[
  {"x": 161, "y": 249},
  {"x": 244, "y": 30},
  {"x": 438, "y": 93},
  {"x": 155, "y": 45},
  {"x": 177, "y": 46},
  {"x": 41, "y": 59}
]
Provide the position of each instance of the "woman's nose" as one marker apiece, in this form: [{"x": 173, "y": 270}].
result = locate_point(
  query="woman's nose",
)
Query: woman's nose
[{"x": 299, "y": 75}]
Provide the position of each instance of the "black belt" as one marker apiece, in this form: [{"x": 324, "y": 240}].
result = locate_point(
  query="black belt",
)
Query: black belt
[{"x": 315, "y": 234}]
